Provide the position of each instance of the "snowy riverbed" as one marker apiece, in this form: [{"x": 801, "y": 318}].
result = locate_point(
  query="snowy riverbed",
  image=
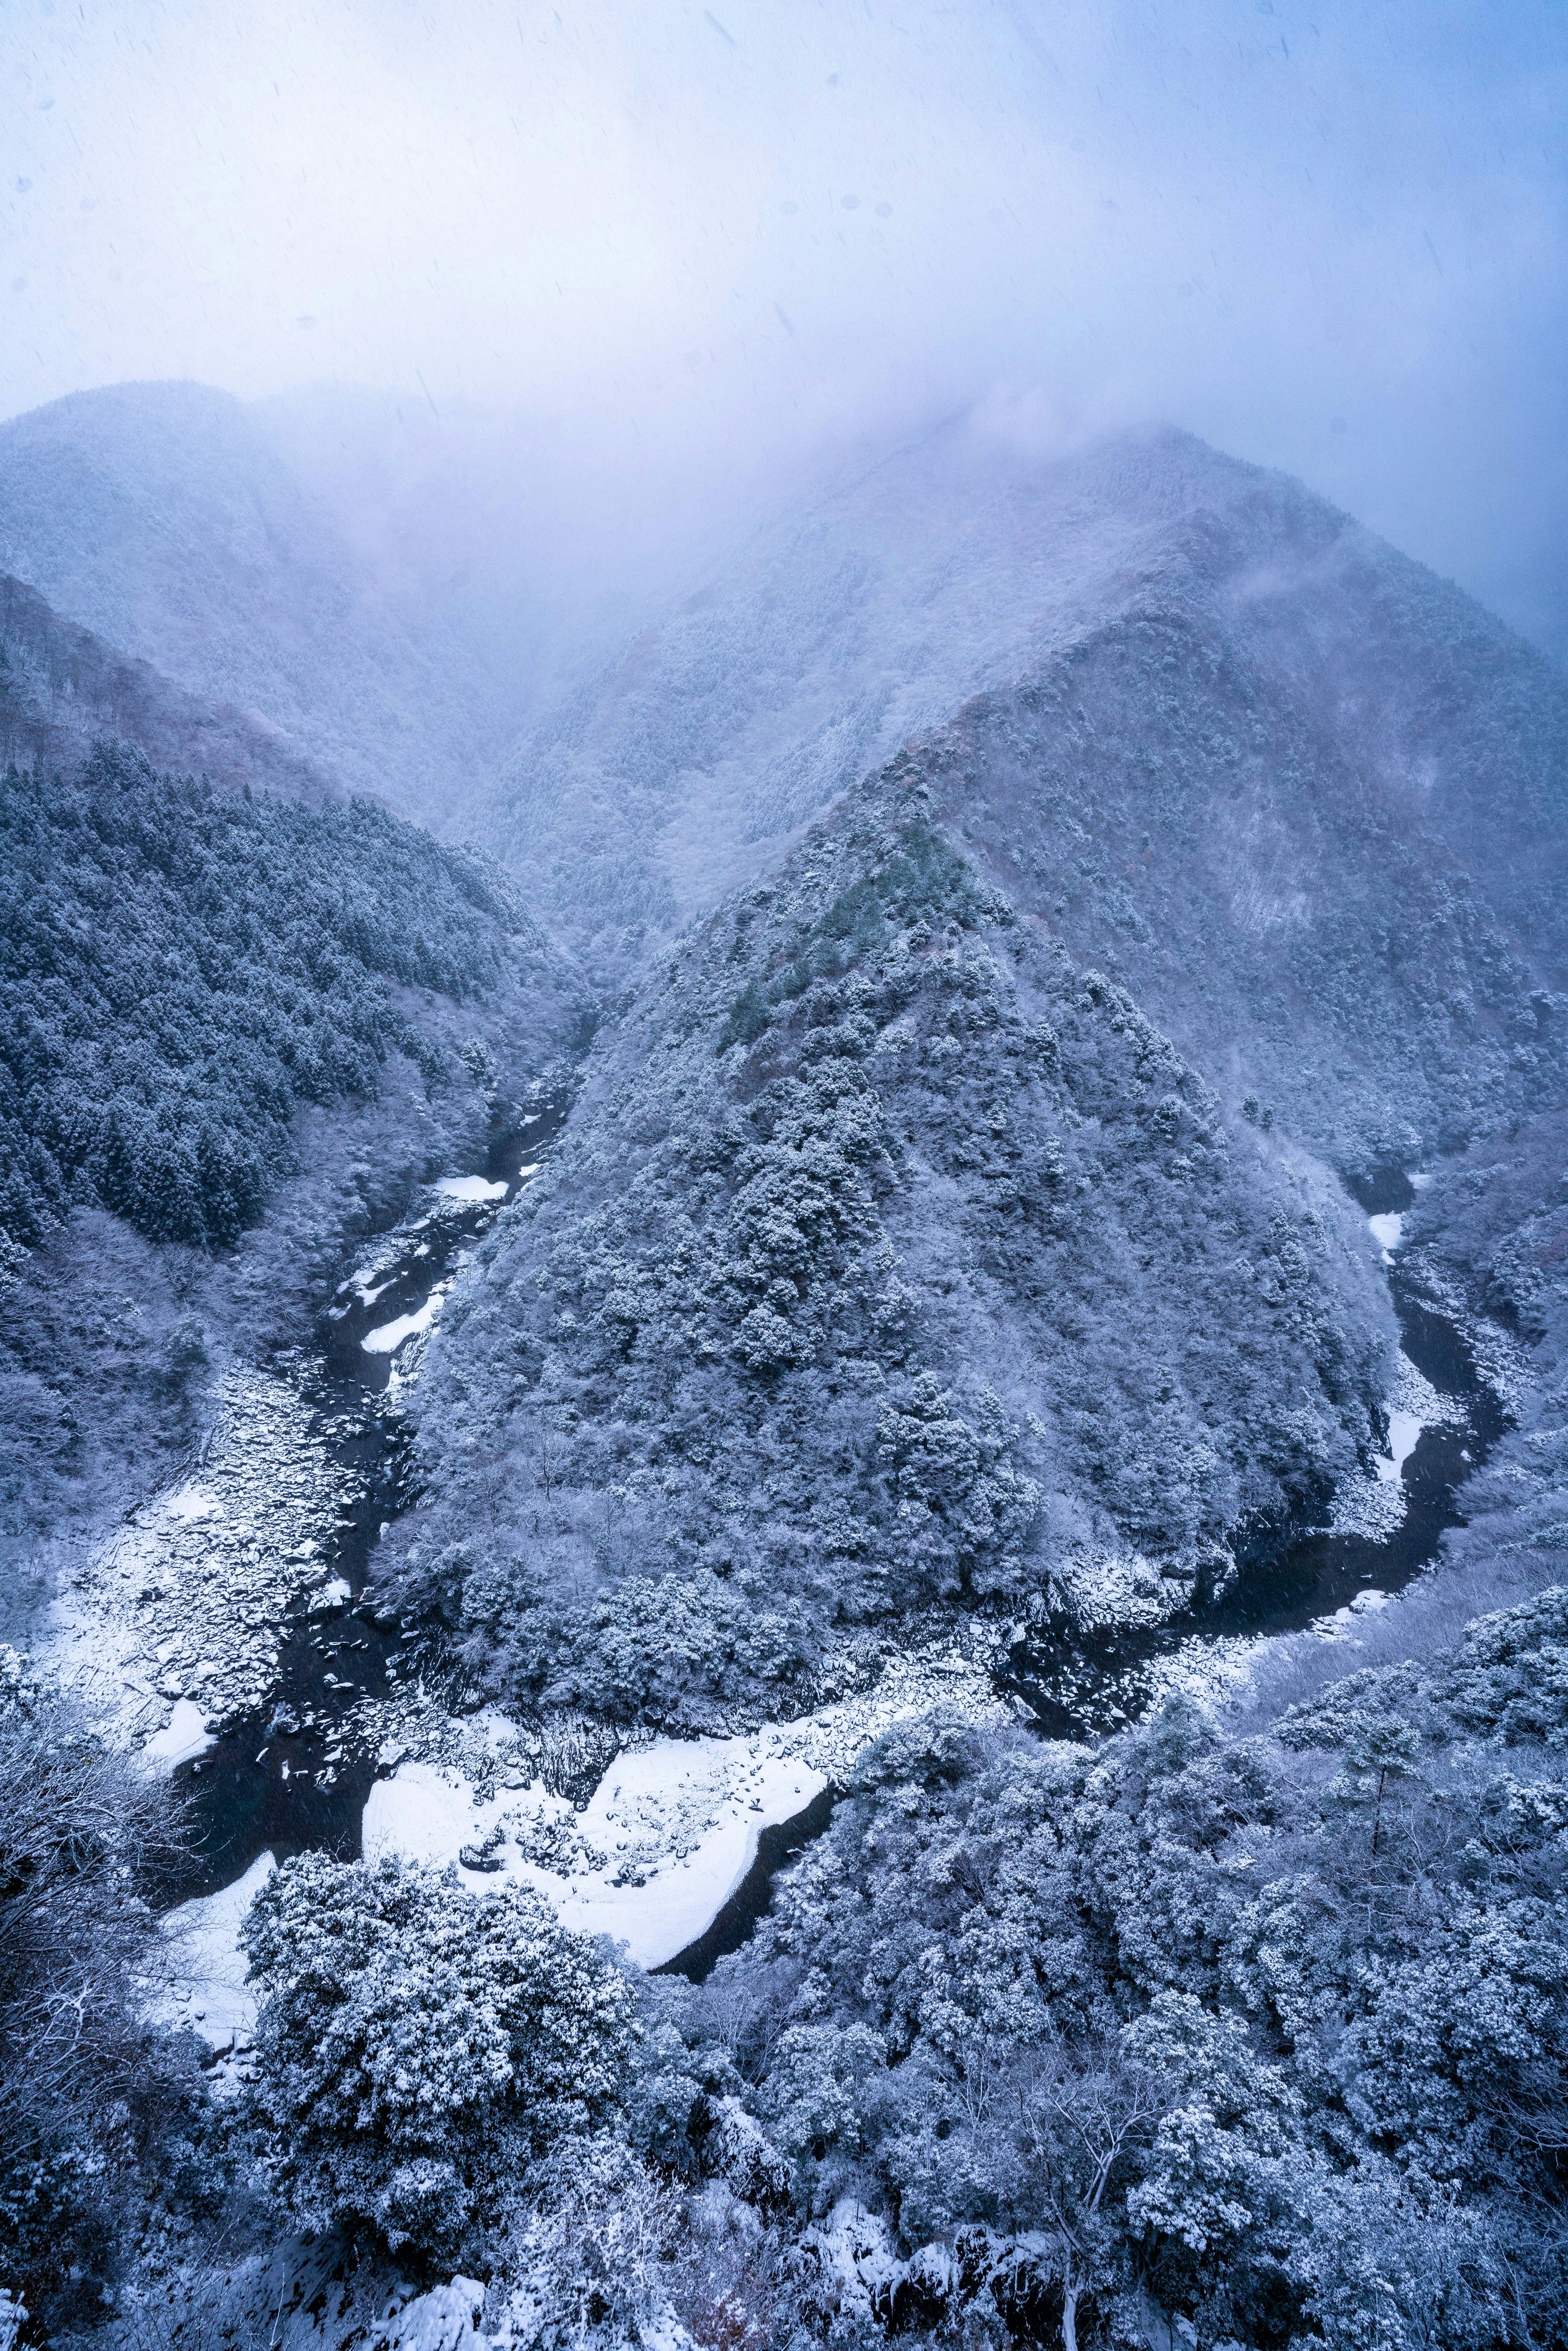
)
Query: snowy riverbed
[
  {"x": 672, "y": 1830},
  {"x": 172, "y": 1627},
  {"x": 203, "y": 1982},
  {"x": 667, "y": 1837},
  {"x": 193, "y": 1593}
]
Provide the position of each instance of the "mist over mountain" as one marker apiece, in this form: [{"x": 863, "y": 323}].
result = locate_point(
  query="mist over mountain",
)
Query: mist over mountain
[
  {"x": 63, "y": 689},
  {"x": 971, "y": 559},
  {"x": 163, "y": 518},
  {"x": 784, "y": 1176},
  {"x": 1017, "y": 1018},
  {"x": 952, "y": 985}
]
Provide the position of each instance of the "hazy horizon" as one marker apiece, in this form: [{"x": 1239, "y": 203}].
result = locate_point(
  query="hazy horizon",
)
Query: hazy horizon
[{"x": 679, "y": 258}]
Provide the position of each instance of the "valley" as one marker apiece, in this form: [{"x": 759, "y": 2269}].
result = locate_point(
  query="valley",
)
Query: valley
[
  {"x": 359, "y": 1695},
  {"x": 854, "y": 1447}
]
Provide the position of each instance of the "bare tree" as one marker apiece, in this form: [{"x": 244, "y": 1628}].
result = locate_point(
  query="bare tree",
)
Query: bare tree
[
  {"x": 1084, "y": 2112},
  {"x": 81, "y": 1827}
]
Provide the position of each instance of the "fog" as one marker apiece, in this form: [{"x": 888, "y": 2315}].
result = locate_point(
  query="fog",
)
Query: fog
[{"x": 637, "y": 271}]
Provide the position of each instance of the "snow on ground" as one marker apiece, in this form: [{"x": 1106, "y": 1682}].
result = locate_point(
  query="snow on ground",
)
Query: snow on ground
[
  {"x": 389, "y": 1336},
  {"x": 671, "y": 1829},
  {"x": 193, "y": 1503},
  {"x": 1119, "y": 1587},
  {"x": 1367, "y": 1504},
  {"x": 1387, "y": 1231},
  {"x": 185, "y": 1602},
  {"x": 470, "y": 1187},
  {"x": 204, "y": 1986},
  {"x": 668, "y": 1836},
  {"x": 305, "y": 2293},
  {"x": 1413, "y": 1404},
  {"x": 182, "y": 1737},
  {"x": 1213, "y": 1673},
  {"x": 1372, "y": 1504}
]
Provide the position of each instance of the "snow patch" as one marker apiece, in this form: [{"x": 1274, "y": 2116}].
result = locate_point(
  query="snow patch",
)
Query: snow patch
[
  {"x": 182, "y": 1737},
  {"x": 469, "y": 1188},
  {"x": 1119, "y": 1587},
  {"x": 392, "y": 1335},
  {"x": 190, "y": 1503},
  {"x": 442, "y": 2320},
  {"x": 205, "y": 1985},
  {"x": 1413, "y": 1404},
  {"x": 185, "y": 1602},
  {"x": 1372, "y": 1504},
  {"x": 1369, "y": 1505},
  {"x": 668, "y": 1836},
  {"x": 673, "y": 1828}
]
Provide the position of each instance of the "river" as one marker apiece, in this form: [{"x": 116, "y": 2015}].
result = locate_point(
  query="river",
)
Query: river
[
  {"x": 293, "y": 1776},
  {"x": 296, "y": 1774}
]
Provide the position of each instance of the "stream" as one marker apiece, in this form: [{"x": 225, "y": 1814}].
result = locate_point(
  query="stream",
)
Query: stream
[
  {"x": 1100, "y": 1680},
  {"x": 293, "y": 1776}
]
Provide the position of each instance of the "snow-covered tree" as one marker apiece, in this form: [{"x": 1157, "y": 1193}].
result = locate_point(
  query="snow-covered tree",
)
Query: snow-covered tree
[{"x": 420, "y": 2045}]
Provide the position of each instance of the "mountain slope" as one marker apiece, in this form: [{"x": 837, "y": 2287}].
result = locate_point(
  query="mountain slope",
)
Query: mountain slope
[
  {"x": 163, "y": 517},
  {"x": 1379, "y": 961},
  {"x": 62, "y": 690},
  {"x": 235, "y": 1034},
  {"x": 953, "y": 1219},
  {"x": 961, "y": 565},
  {"x": 891, "y": 1264},
  {"x": 154, "y": 1061}
]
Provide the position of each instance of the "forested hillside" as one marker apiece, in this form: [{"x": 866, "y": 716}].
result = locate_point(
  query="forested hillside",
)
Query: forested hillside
[
  {"x": 181, "y": 969},
  {"x": 892, "y": 1261},
  {"x": 1381, "y": 961},
  {"x": 62, "y": 690},
  {"x": 1279, "y": 638},
  {"x": 1251, "y": 2039},
  {"x": 220, "y": 1014},
  {"x": 916, "y": 1223}
]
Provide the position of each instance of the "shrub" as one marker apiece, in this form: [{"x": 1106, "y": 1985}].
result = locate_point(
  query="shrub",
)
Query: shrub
[{"x": 418, "y": 2045}]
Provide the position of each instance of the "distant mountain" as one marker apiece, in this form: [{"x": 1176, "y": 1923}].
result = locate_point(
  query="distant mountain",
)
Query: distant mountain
[
  {"x": 63, "y": 689},
  {"x": 962, "y": 564},
  {"x": 163, "y": 518}
]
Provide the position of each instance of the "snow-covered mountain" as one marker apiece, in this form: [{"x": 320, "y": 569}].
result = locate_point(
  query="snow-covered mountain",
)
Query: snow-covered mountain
[
  {"x": 62, "y": 689},
  {"x": 1018, "y": 893},
  {"x": 966, "y": 562},
  {"x": 992, "y": 1125},
  {"x": 164, "y": 518}
]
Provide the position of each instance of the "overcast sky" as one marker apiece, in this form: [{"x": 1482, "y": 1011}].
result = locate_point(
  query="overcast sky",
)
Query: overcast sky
[{"x": 1331, "y": 237}]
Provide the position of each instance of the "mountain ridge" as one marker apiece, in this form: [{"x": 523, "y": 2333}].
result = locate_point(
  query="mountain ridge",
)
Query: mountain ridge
[
  {"x": 718, "y": 732},
  {"x": 163, "y": 518},
  {"x": 63, "y": 689}
]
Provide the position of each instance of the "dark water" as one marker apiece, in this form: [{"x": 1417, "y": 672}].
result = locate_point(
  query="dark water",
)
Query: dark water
[
  {"x": 753, "y": 1897},
  {"x": 303, "y": 1789}
]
